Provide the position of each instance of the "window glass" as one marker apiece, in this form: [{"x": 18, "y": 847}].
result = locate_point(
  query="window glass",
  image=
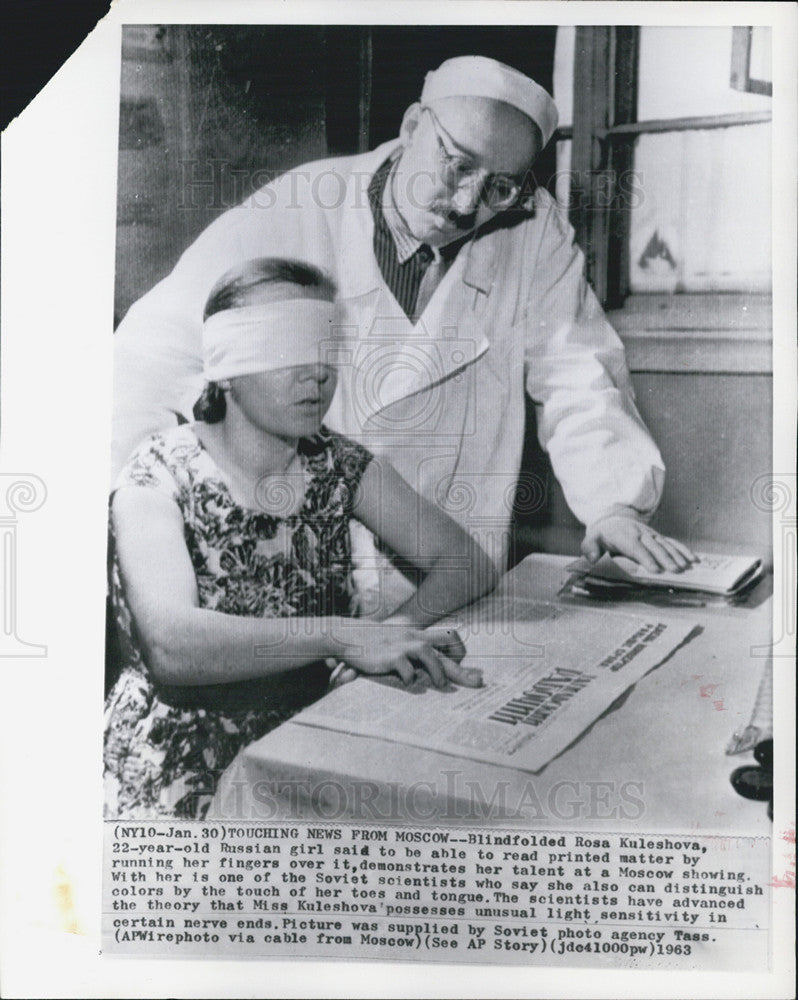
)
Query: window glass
[
  {"x": 564, "y": 73},
  {"x": 701, "y": 211},
  {"x": 760, "y": 66},
  {"x": 701, "y": 84},
  {"x": 564, "y": 96}
]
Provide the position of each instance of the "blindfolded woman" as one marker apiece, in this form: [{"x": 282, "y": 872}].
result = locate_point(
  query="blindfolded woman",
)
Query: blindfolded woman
[{"x": 232, "y": 573}]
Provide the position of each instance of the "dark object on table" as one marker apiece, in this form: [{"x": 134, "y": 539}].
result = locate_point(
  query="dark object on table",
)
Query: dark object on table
[
  {"x": 763, "y": 754},
  {"x": 755, "y": 781}
]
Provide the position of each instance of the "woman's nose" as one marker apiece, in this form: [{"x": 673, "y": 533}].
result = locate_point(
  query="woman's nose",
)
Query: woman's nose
[{"x": 315, "y": 373}]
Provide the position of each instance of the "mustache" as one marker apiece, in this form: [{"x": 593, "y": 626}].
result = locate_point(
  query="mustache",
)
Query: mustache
[{"x": 467, "y": 221}]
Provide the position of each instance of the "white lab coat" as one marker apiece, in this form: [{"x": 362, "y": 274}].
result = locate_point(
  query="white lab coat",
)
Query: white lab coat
[{"x": 444, "y": 400}]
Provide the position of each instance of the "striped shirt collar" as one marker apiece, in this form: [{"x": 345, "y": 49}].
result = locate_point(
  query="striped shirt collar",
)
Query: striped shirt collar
[{"x": 406, "y": 244}]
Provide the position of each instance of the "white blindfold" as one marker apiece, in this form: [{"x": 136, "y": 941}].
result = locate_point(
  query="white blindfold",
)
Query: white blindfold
[{"x": 263, "y": 338}]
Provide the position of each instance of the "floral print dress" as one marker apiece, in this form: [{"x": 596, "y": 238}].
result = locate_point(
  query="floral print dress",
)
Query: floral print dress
[{"x": 165, "y": 747}]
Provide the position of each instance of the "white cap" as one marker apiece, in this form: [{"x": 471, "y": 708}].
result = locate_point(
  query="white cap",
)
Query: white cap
[{"x": 478, "y": 76}]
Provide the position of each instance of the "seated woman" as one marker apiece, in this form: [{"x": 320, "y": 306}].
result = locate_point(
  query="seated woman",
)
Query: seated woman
[{"x": 232, "y": 573}]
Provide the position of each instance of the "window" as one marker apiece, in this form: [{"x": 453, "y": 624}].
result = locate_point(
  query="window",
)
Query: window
[
  {"x": 664, "y": 163},
  {"x": 751, "y": 68}
]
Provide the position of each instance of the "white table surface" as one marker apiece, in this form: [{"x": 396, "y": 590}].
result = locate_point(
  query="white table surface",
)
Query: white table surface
[{"x": 656, "y": 763}]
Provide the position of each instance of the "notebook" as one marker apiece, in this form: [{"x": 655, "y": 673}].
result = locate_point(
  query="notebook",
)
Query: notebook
[{"x": 713, "y": 574}]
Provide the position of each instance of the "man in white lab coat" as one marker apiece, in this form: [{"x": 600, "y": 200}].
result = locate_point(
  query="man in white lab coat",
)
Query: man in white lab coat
[{"x": 460, "y": 291}]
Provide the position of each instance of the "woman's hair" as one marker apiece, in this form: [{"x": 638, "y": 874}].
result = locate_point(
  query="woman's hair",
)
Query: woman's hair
[{"x": 234, "y": 290}]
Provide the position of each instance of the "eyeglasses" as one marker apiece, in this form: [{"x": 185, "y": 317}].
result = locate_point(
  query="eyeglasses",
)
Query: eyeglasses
[{"x": 498, "y": 191}]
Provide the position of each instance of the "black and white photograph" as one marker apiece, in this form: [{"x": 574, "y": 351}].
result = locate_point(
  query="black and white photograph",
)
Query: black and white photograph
[{"x": 430, "y": 474}]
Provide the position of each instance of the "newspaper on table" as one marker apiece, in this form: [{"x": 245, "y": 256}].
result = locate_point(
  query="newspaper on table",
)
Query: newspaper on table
[{"x": 546, "y": 680}]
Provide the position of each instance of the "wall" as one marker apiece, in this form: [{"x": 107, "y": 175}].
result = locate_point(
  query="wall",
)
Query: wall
[
  {"x": 714, "y": 433},
  {"x": 208, "y": 114},
  {"x": 211, "y": 112}
]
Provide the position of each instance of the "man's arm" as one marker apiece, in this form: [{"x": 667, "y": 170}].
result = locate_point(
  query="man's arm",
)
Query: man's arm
[
  {"x": 157, "y": 363},
  {"x": 610, "y": 469},
  {"x": 157, "y": 347}
]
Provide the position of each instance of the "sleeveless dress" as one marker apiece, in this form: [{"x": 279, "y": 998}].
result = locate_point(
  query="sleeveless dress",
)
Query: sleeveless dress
[{"x": 165, "y": 747}]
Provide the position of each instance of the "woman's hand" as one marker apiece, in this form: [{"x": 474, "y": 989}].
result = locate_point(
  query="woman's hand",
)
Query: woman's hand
[
  {"x": 397, "y": 647},
  {"x": 626, "y": 536}
]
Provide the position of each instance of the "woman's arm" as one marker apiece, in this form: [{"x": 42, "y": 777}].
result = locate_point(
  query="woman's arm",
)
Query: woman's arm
[
  {"x": 457, "y": 571},
  {"x": 185, "y": 644}
]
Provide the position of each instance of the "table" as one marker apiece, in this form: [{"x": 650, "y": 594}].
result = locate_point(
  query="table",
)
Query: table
[{"x": 655, "y": 762}]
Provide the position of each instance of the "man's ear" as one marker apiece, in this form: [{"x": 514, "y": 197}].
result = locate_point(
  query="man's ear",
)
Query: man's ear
[{"x": 410, "y": 122}]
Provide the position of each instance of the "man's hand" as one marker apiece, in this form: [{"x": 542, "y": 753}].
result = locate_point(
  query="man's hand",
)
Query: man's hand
[{"x": 626, "y": 536}]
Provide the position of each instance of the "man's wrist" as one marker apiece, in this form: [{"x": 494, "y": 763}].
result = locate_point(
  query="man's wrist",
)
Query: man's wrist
[{"x": 619, "y": 510}]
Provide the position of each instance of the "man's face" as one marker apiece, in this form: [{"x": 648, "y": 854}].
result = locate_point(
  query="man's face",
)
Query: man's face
[{"x": 459, "y": 155}]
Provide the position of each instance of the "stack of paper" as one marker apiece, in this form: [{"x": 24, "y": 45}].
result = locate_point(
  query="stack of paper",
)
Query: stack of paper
[{"x": 713, "y": 576}]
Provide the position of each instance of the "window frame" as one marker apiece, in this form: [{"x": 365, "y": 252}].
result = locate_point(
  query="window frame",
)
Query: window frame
[
  {"x": 740, "y": 76},
  {"x": 603, "y": 135},
  {"x": 605, "y": 128}
]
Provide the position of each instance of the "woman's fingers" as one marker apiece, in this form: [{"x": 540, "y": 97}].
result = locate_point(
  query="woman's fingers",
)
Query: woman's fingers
[
  {"x": 448, "y": 641},
  {"x": 430, "y": 660},
  {"x": 437, "y": 651},
  {"x": 344, "y": 677},
  {"x": 458, "y": 674},
  {"x": 405, "y": 669}
]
